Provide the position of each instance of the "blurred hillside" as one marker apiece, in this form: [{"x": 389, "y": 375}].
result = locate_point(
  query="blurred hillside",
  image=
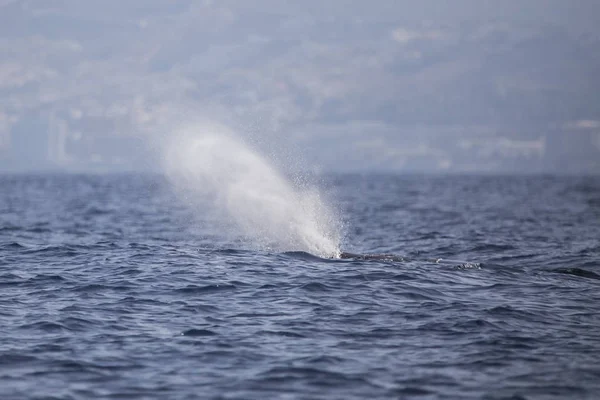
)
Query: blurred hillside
[{"x": 450, "y": 86}]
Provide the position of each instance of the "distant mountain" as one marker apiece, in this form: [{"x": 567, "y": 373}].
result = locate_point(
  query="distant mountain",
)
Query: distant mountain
[{"x": 86, "y": 70}]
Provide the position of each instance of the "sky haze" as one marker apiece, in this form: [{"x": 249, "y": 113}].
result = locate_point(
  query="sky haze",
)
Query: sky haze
[{"x": 401, "y": 86}]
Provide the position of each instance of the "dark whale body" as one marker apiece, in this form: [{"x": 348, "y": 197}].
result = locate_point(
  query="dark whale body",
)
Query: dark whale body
[
  {"x": 396, "y": 258},
  {"x": 380, "y": 257}
]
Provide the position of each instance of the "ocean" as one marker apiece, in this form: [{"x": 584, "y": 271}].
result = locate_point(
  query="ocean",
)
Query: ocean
[{"x": 124, "y": 287}]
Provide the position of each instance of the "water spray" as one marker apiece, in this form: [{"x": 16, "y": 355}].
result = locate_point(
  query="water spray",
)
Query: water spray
[{"x": 218, "y": 173}]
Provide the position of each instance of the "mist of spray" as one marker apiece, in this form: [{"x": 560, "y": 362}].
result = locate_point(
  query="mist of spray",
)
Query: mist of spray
[{"x": 219, "y": 174}]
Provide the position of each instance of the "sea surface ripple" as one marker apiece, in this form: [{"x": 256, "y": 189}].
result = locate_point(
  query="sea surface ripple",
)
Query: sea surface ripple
[{"x": 111, "y": 288}]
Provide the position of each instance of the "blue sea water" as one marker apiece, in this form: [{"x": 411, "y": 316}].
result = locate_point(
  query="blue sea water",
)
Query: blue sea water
[{"x": 112, "y": 288}]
